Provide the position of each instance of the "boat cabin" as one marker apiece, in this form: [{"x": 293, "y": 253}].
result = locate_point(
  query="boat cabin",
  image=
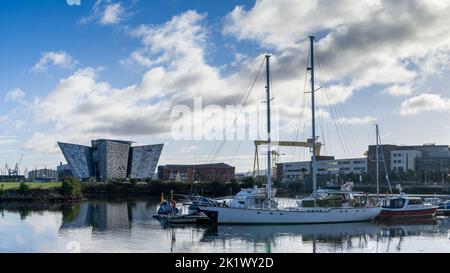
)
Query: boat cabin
[
  {"x": 253, "y": 198},
  {"x": 401, "y": 202}
]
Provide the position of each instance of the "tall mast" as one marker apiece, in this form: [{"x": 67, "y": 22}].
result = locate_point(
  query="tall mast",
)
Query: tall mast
[
  {"x": 377, "y": 161},
  {"x": 269, "y": 163},
  {"x": 313, "y": 124}
]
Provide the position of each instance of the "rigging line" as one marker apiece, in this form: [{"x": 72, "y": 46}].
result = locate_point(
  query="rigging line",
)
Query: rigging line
[
  {"x": 384, "y": 163},
  {"x": 331, "y": 106},
  {"x": 240, "y": 142},
  {"x": 301, "y": 120},
  {"x": 339, "y": 106},
  {"x": 332, "y": 112},
  {"x": 323, "y": 135},
  {"x": 213, "y": 149},
  {"x": 252, "y": 84}
]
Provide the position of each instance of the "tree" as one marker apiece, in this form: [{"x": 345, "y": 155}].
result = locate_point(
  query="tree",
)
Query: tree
[
  {"x": 72, "y": 187},
  {"x": 23, "y": 187}
]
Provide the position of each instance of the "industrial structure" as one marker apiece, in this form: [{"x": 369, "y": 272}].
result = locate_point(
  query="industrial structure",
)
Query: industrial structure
[
  {"x": 219, "y": 172},
  {"x": 111, "y": 160},
  {"x": 12, "y": 174}
]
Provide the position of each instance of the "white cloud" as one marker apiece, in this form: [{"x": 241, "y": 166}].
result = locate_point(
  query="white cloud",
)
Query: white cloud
[
  {"x": 357, "y": 120},
  {"x": 425, "y": 103},
  {"x": 88, "y": 108},
  {"x": 105, "y": 12},
  {"x": 362, "y": 44},
  {"x": 16, "y": 94},
  {"x": 59, "y": 58},
  {"x": 354, "y": 55},
  {"x": 73, "y": 2},
  {"x": 112, "y": 14},
  {"x": 399, "y": 90}
]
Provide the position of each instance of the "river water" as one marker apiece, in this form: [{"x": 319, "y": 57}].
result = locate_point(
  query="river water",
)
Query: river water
[{"x": 128, "y": 226}]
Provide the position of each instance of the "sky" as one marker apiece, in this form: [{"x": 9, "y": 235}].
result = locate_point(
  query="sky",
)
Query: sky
[{"x": 76, "y": 70}]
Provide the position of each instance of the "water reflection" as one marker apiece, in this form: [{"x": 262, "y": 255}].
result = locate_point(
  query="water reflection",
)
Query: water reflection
[{"x": 128, "y": 226}]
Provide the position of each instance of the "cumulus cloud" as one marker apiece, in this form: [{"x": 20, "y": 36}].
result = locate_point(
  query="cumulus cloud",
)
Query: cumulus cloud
[
  {"x": 106, "y": 12},
  {"x": 362, "y": 44},
  {"x": 59, "y": 58},
  {"x": 14, "y": 95},
  {"x": 424, "y": 103},
  {"x": 73, "y": 2},
  {"x": 399, "y": 90},
  {"x": 89, "y": 108}
]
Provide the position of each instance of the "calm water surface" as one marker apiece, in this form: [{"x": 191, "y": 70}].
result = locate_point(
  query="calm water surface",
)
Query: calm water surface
[{"x": 128, "y": 226}]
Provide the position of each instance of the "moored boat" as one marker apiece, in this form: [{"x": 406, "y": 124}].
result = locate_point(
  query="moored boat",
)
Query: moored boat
[
  {"x": 257, "y": 205},
  {"x": 444, "y": 208},
  {"x": 406, "y": 207}
]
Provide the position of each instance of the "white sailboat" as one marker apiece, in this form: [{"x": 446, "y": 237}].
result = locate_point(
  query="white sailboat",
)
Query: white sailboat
[{"x": 257, "y": 205}]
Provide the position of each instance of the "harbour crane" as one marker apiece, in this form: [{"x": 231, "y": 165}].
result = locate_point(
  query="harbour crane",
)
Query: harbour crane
[
  {"x": 307, "y": 144},
  {"x": 15, "y": 171}
]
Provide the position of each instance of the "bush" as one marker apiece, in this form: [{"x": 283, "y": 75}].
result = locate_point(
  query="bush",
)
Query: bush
[
  {"x": 133, "y": 182},
  {"x": 72, "y": 187},
  {"x": 24, "y": 187}
]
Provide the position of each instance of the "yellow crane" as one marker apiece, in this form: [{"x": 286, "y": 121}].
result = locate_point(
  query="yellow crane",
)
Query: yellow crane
[{"x": 306, "y": 144}]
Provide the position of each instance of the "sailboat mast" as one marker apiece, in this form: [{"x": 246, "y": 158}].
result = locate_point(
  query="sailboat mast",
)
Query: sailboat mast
[
  {"x": 313, "y": 124},
  {"x": 269, "y": 163},
  {"x": 377, "y": 162}
]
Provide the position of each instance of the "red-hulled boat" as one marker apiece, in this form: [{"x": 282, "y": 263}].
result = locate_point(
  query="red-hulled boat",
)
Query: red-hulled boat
[{"x": 406, "y": 207}]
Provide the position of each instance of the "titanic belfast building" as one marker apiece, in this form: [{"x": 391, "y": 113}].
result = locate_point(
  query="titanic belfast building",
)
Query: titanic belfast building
[{"x": 111, "y": 160}]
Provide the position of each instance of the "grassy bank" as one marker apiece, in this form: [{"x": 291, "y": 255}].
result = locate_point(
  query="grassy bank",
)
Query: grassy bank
[
  {"x": 31, "y": 185},
  {"x": 69, "y": 190}
]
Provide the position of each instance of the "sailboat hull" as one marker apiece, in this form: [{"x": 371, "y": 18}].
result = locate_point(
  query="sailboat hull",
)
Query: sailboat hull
[{"x": 226, "y": 215}]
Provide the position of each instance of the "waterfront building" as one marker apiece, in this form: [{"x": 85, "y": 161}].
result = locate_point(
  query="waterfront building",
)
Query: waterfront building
[
  {"x": 63, "y": 171},
  {"x": 295, "y": 171},
  {"x": 43, "y": 175},
  {"x": 428, "y": 160},
  {"x": 111, "y": 160},
  {"x": 220, "y": 172},
  {"x": 12, "y": 178}
]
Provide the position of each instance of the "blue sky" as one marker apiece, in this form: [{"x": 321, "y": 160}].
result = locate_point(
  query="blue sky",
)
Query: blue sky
[{"x": 117, "y": 68}]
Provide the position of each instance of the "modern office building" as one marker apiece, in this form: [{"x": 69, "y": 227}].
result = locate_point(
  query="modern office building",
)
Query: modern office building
[
  {"x": 427, "y": 159},
  {"x": 111, "y": 160},
  {"x": 292, "y": 171},
  {"x": 203, "y": 172}
]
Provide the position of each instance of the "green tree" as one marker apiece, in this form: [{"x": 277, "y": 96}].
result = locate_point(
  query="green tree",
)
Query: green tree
[
  {"x": 71, "y": 186},
  {"x": 23, "y": 187}
]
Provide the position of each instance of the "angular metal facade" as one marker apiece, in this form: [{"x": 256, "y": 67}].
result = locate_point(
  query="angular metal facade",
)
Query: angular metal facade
[
  {"x": 144, "y": 160},
  {"x": 79, "y": 159},
  {"x": 111, "y": 159}
]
